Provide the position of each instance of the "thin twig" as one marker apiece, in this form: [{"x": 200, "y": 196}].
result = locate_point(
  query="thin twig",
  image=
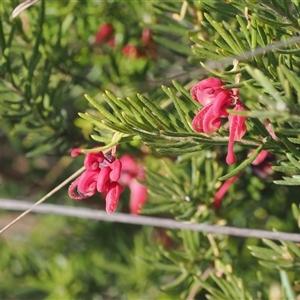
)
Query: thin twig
[
  {"x": 87, "y": 213},
  {"x": 32, "y": 206}
]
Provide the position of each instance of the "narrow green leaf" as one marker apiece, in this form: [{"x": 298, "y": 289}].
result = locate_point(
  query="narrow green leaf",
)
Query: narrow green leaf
[
  {"x": 181, "y": 109},
  {"x": 223, "y": 33},
  {"x": 238, "y": 41},
  {"x": 101, "y": 109},
  {"x": 152, "y": 135},
  {"x": 290, "y": 146},
  {"x": 183, "y": 150},
  {"x": 287, "y": 181},
  {"x": 244, "y": 29},
  {"x": 279, "y": 105},
  {"x": 2, "y": 37},
  {"x": 288, "y": 51},
  {"x": 274, "y": 246},
  {"x": 285, "y": 169},
  {"x": 206, "y": 45},
  {"x": 135, "y": 123},
  {"x": 294, "y": 161},
  {"x": 272, "y": 22},
  {"x": 287, "y": 286},
  {"x": 115, "y": 127},
  {"x": 152, "y": 121},
  {"x": 263, "y": 253},
  {"x": 170, "y": 29},
  {"x": 136, "y": 108},
  {"x": 191, "y": 103},
  {"x": 161, "y": 115},
  {"x": 114, "y": 108},
  {"x": 226, "y": 288},
  {"x": 223, "y": 46},
  {"x": 243, "y": 165},
  {"x": 175, "y": 46},
  {"x": 294, "y": 140},
  {"x": 118, "y": 101},
  {"x": 253, "y": 32},
  {"x": 168, "y": 145},
  {"x": 292, "y": 247},
  {"x": 296, "y": 214},
  {"x": 101, "y": 139},
  {"x": 205, "y": 54},
  {"x": 185, "y": 109},
  {"x": 292, "y": 78}
]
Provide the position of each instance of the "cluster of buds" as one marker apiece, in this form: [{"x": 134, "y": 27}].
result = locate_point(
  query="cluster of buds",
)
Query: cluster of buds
[
  {"x": 131, "y": 171},
  {"x": 101, "y": 175},
  {"x": 216, "y": 101},
  {"x": 106, "y": 36}
]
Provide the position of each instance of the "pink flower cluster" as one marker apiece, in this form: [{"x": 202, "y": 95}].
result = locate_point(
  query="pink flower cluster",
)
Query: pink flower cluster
[
  {"x": 216, "y": 101},
  {"x": 102, "y": 174},
  {"x": 131, "y": 171},
  {"x": 106, "y": 36}
]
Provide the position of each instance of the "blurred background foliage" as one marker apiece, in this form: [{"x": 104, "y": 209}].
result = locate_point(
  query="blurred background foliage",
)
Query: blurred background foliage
[{"x": 51, "y": 56}]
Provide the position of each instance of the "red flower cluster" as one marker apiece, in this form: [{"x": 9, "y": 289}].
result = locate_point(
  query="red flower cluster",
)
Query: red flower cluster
[
  {"x": 105, "y": 35},
  {"x": 148, "y": 47},
  {"x": 102, "y": 174},
  {"x": 130, "y": 172},
  {"x": 132, "y": 51},
  {"x": 216, "y": 101}
]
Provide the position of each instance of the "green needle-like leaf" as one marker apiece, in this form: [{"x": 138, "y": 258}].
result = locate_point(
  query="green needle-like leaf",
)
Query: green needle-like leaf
[{"x": 243, "y": 165}]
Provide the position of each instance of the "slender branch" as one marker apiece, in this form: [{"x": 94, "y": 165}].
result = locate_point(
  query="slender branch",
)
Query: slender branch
[
  {"x": 32, "y": 206},
  {"x": 86, "y": 213}
]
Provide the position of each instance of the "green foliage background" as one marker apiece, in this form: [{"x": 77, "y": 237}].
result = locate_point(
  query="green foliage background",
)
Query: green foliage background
[{"x": 51, "y": 70}]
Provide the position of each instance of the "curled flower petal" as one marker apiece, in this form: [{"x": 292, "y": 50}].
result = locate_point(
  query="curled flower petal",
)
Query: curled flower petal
[
  {"x": 75, "y": 152},
  {"x": 221, "y": 103},
  {"x": 92, "y": 161},
  {"x": 115, "y": 173},
  {"x": 197, "y": 122},
  {"x": 71, "y": 191},
  {"x": 138, "y": 197},
  {"x": 87, "y": 183},
  {"x": 112, "y": 197},
  {"x": 103, "y": 178},
  {"x": 211, "y": 123},
  {"x": 129, "y": 164},
  {"x": 101, "y": 174},
  {"x": 206, "y": 90}
]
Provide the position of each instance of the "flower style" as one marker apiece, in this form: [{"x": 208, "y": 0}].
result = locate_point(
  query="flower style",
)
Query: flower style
[
  {"x": 102, "y": 174},
  {"x": 237, "y": 129},
  {"x": 216, "y": 101},
  {"x": 223, "y": 190},
  {"x": 130, "y": 172},
  {"x": 261, "y": 167}
]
